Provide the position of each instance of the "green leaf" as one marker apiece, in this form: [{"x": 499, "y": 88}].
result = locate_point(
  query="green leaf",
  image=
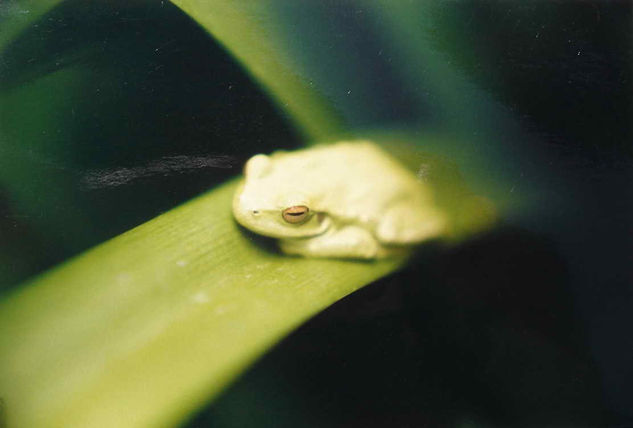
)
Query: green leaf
[{"x": 146, "y": 327}]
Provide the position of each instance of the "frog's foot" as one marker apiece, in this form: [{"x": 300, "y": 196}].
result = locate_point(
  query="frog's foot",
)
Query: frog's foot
[
  {"x": 407, "y": 224},
  {"x": 347, "y": 242}
]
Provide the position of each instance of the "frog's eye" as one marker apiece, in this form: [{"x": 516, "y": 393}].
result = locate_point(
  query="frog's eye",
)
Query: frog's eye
[{"x": 295, "y": 214}]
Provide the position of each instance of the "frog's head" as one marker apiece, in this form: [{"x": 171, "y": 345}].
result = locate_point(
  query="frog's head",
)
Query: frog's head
[{"x": 269, "y": 203}]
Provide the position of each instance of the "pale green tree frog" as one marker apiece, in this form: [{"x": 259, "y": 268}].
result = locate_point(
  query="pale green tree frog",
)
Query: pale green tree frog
[{"x": 349, "y": 199}]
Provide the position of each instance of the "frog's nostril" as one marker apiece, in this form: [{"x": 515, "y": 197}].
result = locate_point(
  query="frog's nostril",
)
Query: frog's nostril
[{"x": 255, "y": 212}]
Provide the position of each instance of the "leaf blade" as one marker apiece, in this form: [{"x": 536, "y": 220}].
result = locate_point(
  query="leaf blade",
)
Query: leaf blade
[{"x": 146, "y": 327}]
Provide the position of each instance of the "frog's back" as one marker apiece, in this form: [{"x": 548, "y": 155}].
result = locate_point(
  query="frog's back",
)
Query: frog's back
[
  {"x": 351, "y": 178},
  {"x": 358, "y": 183},
  {"x": 370, "y": 167},
  {"x": 402, "y": 205}
]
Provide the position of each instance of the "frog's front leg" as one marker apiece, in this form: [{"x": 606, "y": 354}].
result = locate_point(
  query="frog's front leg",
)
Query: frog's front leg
[{"x": 347, "y": 241}]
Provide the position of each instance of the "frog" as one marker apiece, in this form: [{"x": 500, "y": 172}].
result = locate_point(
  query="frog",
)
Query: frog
[{"x": 349, "y": 199}]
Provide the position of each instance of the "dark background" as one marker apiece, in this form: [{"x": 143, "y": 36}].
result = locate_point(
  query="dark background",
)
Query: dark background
[{"x": 528, "y": 325}]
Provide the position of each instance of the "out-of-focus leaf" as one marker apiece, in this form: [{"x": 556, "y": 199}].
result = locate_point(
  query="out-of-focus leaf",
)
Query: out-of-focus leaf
[
  {"x": 380, "y": 67},
  {"x": 247, "y": 30}
]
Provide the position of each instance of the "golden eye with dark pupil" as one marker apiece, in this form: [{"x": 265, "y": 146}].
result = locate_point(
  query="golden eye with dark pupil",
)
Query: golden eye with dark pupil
[{"x": 295, "y": 214}]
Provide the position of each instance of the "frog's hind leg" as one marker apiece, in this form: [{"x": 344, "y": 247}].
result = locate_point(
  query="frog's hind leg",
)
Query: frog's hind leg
[
  {"x": 347, "y": 241},
  {"x": 407, "y": 223}
]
